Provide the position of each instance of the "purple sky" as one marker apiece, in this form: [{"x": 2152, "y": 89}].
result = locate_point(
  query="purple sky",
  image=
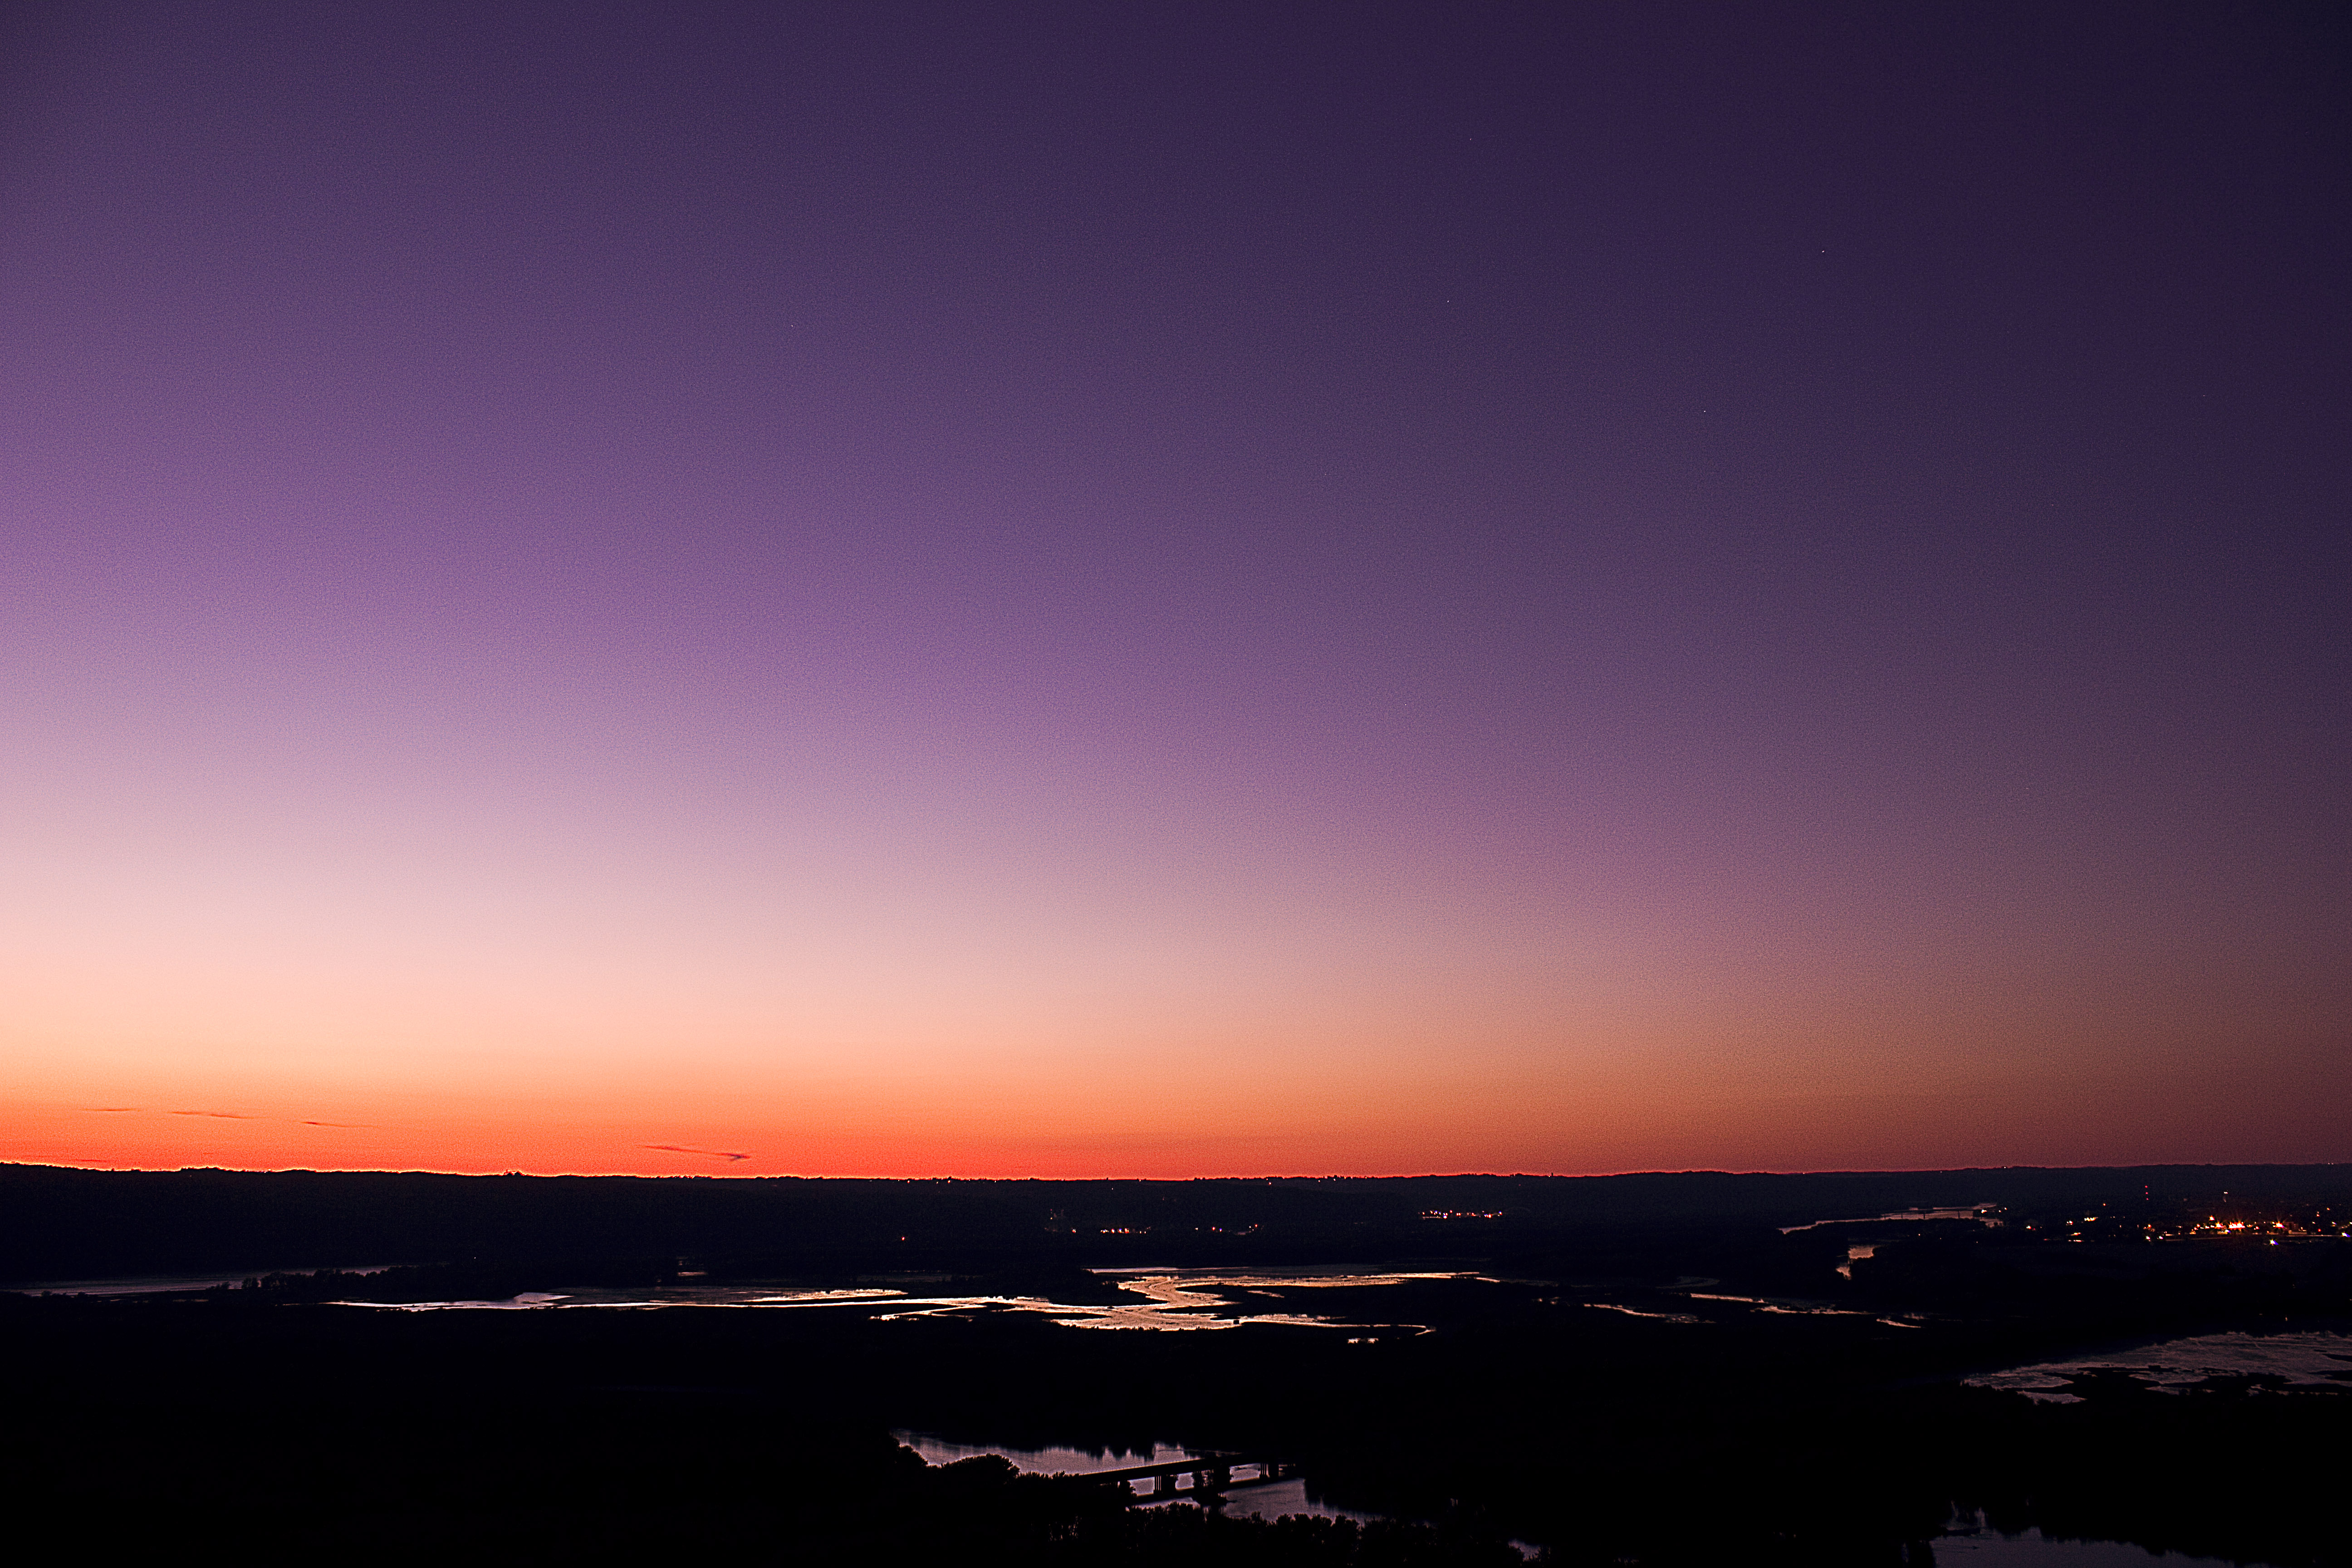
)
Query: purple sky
[{"x": 1190, "y": 589}]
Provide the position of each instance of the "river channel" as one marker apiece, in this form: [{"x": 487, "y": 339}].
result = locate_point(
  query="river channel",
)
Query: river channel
[
  {"x": 1970, "y": 1544},
  {"x": 1263, "y": 1499},
  {"x": 1167, "y": 1300}
]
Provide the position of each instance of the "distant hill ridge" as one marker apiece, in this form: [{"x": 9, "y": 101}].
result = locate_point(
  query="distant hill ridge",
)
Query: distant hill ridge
[{"x": 62, "y": 1223}]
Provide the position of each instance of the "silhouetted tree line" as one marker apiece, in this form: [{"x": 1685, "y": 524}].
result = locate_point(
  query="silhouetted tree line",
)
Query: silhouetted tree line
[
  {"x": 71, "y": 1224},
  {"x": 259, "y": 1416},
  {"x": 263, "y": 1415}
]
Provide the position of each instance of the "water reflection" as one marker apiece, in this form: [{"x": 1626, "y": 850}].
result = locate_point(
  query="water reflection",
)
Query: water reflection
[
  {"x": 1983, "y": 1214},
  {"x": 163, "y": 1285},
  {"x": 1275, "y": 1498},
  {"x": 1050, "y": 1461},
  {"x": 1637, "y": 1312},
  {"x": 1971, "y": 1545},
  {"x": 1243, "y": 1497},
  {"x": 1204, "y": 1299},
  {"x": 1168, "y": 1300},
  {"x": 679, "y": 1296},
  {"x": 2299, "y": 1360},
  {"x": 1785, "y": 1306}
]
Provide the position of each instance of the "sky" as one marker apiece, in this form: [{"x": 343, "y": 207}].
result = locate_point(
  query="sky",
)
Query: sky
[{"x": 1174, "y": 590}]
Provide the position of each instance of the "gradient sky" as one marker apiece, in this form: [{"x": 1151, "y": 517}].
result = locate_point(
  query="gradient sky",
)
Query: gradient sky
[{"x": 1174, "y": 590}]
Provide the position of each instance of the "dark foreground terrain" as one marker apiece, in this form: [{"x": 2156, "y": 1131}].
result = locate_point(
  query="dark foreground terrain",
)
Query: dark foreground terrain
[{"x": 1668, "y": 1379}]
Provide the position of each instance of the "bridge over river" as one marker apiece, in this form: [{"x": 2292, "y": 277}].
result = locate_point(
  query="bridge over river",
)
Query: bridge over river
[{"x": 1212, "y": 1474}]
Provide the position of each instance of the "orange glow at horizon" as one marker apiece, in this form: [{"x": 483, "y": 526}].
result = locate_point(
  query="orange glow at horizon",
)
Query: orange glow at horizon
[
  {"x": 1190, "y": 1026},
  {"x": 1171, "y": 1116},
  {"x": 920, "y": 620}
]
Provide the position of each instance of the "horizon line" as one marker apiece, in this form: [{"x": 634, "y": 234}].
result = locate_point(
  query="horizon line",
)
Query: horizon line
[{"x": 1170, "y": 1181}]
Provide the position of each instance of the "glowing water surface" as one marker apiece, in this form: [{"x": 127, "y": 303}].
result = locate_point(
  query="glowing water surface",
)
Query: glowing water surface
[
  {"x": 173, "y": 1284},
  {"x": 1972, "y": 1545},
  {"x": 1050, "y": 1461},
  {"x": 1168, "y": 1299},
  {"x": 2299, "y": 1360},
  {"x": 1243, "y": 1499},
  {"x": 1980, "y": 1212}
]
